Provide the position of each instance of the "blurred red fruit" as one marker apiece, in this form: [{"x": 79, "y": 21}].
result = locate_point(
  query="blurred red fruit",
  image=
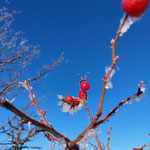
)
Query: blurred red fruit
[
  {"x": 69, "y": 99},
  {"x": 75, "y": 103},
  {"x": 84, "y": 86},
  {"x": 134, "y": 8},
  {"x": 82, "y": 95}
]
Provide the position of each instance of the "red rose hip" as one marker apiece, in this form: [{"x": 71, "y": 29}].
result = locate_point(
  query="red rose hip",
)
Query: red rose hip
[
  {"x": 75, "y": 103},
  {"x": 84, "y": 86},
  {"x": 134, "y": 8},
  {"x": 82, "y": 95},
  {"x": 69, "y": 99}
]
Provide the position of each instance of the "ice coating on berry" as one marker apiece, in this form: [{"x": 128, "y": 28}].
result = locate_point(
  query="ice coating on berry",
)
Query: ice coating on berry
[
  {"x": 134, "y": 8},
  {"x": 71, "y": 110},
  {"x": 75, "y": 109},
  {"x": 66, "y": 107}
]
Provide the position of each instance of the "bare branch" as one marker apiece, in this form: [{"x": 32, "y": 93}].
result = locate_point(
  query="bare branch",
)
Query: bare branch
[
  {"x": 108, "y": 138},
  {"x": 25, "y": 118}
]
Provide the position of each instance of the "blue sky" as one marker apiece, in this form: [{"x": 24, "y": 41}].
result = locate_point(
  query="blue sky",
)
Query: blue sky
[{"x": 83, "y": 30}]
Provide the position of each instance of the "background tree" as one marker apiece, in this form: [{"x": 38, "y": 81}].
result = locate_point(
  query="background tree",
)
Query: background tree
[
  {"x": 15, "y": 56},
  {"x": 18, "y": 135}
]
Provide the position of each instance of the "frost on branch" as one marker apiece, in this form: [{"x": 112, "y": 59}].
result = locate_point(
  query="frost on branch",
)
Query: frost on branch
[
  {"x": 61, "y": 142},
  {"x": 25, "y": 86},
  {"x": 129, "y": 102},
  {"x": 141, "y": 91},
  {"x": 109, "y": 83},
  {"x": 130, "y": 20},
  {"x": 60, "y": 97},
  {"x": 91, "y": 134},
  {"x": 138, "y": 98}
]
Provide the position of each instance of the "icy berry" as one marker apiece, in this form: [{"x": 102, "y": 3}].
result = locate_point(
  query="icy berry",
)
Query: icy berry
[
  {"x": 82, "y": 95},
  {"x": 134, "y": 149},
  {"x": 69, "y": 99},
  {"x": 75, "y": 103},
  {"x": 84, "y": 86},
  {"x": 134, "y": 8}
]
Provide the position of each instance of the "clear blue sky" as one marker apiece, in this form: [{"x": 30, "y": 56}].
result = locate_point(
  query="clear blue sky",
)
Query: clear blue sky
[{"x": 83, "y": 30}]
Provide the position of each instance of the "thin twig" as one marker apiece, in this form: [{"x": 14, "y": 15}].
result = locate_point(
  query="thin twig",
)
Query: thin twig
[
  {"x": 108, "y": 138},
  {"x": 114, "y": 60},
  {"x": 98, "y": 142},
  {"x": 114, "y": 42},
  {"x": 98, "y": 113},
  {"x": 94, "y": 146},
  {"x": 116, "y": 108},
  {"x": 87, "y": 110},
  {"x": 43, "y": 120},
  {"x": 55, "y": 63},
  {"x": 141, "y": 148},
  {"x": 35, "y": 104}
]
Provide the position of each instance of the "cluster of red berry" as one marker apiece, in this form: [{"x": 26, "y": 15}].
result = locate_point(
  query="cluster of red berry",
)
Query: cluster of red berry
[{"x": 82, "y": 95}]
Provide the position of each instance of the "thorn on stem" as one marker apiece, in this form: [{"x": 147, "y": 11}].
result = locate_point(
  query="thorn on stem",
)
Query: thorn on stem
[
  {"x": 11, "y": 102},
  {"x": 44, "y": 112},
  {"x": 115, "y": 59},
  {"x": 141, "y": 84},
  {"x": 23, "y": 121},
  {"x": 112, "y": 41},
  {"x": 29, "y": 124}
]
